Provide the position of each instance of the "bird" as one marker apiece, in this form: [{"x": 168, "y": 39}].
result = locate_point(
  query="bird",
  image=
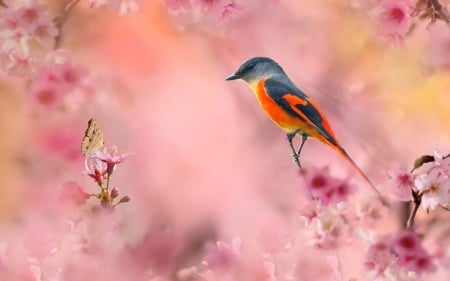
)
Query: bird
[{"x": 290, "y": 108}]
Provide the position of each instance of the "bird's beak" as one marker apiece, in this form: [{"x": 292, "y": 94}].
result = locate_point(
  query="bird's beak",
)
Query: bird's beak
[{"x": 233, "y": 76}]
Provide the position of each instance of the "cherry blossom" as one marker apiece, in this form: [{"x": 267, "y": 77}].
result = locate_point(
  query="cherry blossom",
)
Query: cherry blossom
[
  {"x": 328, "y": 189},
  {"x": 96, "y": 168},
  {"x": 401, "y": 184},
  {"x": 394, "y": 19},
  {"x": 411, "y": 255},
  {"x": 223, "y": 256},
  {"x": 122, "y": 7},
  {"x": 111, "y": 156},
  {"x": 27, "y": 34},
  {"x": 434, "y": 188}
]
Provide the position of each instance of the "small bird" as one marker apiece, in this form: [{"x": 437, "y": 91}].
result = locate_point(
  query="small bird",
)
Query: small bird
[{"x": 290, "y": 108}]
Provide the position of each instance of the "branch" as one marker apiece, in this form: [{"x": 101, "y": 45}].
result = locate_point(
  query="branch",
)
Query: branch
[
  {"x": 442, "y": 12},
  {"x": 62, "y": 18},
  {"x": 417, "y": 200}
]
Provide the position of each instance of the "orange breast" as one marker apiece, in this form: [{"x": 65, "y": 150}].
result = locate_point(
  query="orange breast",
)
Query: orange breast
[{"x": 276, "y": 112}]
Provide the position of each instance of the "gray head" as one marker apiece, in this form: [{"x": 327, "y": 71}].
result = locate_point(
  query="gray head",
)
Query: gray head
[{"x": 252, "y": 70}]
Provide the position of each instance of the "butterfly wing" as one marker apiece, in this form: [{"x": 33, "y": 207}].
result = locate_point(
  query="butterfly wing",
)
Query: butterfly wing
[{"x": 93, "y": 138}]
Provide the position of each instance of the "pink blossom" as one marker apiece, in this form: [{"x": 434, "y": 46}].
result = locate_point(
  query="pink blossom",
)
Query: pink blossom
[
  {"x": 111, "y": 156},
  {"x": 411, "y": 254},
  {"x": 46, "y": 95},
  {"x": 421, "y": 263},
  {"x": 309, "y": 212},
  {"x": 54, "y": 83},
  {"x": 406, "y": 243},
  {"x": 393, "y": 19},
  {"x": 401, "y": 184},
  {"x": 223, "y": 256},
  {"x": 369, "y": 210},
  {"x": 327, "y": 231},
  {"x": 178, "y": 4},
  {"x": 434, "y": 188},
  {"x": 65, "y": 75},
  {"x": 222, "y": 9},
  {"x": 122, "y": 7},
  {"x": 26, "y": 33},
  {"x": 95, "y": 168},
  {"x": 379, "y": 256},
  {"x": 231, "y": 9},
  {"x": 327, "y": 188},
  {"x": 441, "y": 164}
]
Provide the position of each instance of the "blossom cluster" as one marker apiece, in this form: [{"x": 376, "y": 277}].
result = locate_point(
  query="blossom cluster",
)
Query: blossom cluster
[
  {"x": 123, "y": 7},
  {"x": 100, "y": 165},
  {"x": 27, "y": 35},
  {"x": 395, "y": 19},
  {"x": 398, "y": 255},
  {"x": 431, "y": 185},
  {"x": 221, "y": 9},
  {"x": 55, "y": 85},
  {"x": 326, "y": 188}
]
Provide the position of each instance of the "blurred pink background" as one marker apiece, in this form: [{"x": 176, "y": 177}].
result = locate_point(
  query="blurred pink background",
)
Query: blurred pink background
[{"x": 207, "y": 162}]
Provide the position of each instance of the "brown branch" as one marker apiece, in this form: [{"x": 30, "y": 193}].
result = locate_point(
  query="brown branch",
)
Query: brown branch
[
  {"x": 442, "y": 12},
  {"x": 417, "y": 200},
  {"x": 62, "y": 18}
]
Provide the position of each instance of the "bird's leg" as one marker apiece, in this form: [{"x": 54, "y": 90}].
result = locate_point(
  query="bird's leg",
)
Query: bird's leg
[
  {"x": 295, "y": 155},
  {"x": 304, "y": 137}
]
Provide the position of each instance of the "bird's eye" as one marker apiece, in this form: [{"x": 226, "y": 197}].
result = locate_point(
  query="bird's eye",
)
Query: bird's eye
[{"x": 251, "y": 66}]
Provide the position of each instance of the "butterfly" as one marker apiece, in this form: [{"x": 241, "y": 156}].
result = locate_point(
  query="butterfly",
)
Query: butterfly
[{"x": 93, "y": 138}]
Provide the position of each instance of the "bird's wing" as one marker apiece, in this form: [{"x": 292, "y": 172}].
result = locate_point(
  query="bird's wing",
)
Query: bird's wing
[{"x": 299, "y": 105}]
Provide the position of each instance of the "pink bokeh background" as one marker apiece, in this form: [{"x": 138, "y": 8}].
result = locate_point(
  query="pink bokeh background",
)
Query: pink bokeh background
[{"x": 207, "y": 163}]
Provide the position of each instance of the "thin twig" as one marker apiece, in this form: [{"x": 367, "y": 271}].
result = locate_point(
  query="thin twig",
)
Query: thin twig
[
  {"x": 61, "y": 19},
  {"x": 440, "y": 10},
  {"x": 417, "y": 200}
]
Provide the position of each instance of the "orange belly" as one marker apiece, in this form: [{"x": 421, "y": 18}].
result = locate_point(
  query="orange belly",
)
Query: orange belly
[{"x": 276, "y": 113}]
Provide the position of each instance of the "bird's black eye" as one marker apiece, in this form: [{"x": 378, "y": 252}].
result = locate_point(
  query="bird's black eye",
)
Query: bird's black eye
[{"x": 251, "y": 66}]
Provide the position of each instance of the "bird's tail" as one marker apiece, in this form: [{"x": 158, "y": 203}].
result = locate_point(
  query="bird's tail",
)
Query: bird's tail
[{"x": 356, "y": 167}]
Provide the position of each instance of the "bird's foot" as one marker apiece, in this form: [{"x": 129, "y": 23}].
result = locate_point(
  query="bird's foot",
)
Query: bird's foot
[{"x": 296, "y": 159}]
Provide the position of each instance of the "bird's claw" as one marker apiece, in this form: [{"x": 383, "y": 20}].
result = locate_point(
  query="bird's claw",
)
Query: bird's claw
[{"x": 295, "y": 157}]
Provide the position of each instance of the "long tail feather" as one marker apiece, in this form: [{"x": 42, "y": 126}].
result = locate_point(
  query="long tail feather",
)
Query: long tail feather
[{"x": 360, "y": 172}]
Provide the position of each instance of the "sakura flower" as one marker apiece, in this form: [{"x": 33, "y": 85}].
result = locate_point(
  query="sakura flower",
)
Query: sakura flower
[
  {"x": 401, "y": 184},
  {"x": 26, "y": 33},
  {"x": 441, "y": 164},
  {"x": 434, "y": 188},
  {"x": 46, "y": 95},
  {"x": 327, "y": 231},
  {"x": 393, "y": 19},
  {"x": 220, "y": 9},
  {"x": 223, "y": 256},
  {"x": 65, "y": 75},
  {"x": 369, "y": 210},
  {"x": 379, "y": 256},
  {"x": 327, "y": 188},
  {"x": 412, "y": 256},
  {"x": 178, "y": 4},
  {"x": 230, "y": 9},
  {"x": 95, "y": 168},
  {"x": 112, "y": 157},
  {"x": 406, "y": 244},
  {"x": 122, "y": 7}
]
